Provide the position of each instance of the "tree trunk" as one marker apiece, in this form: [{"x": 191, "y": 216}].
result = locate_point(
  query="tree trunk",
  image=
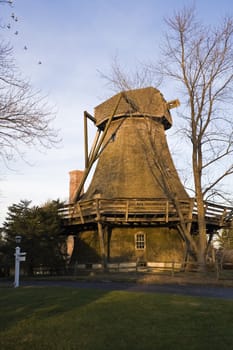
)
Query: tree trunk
[
  {"x": 202, "y": 242},
  {"x": 201, "y": 256}
]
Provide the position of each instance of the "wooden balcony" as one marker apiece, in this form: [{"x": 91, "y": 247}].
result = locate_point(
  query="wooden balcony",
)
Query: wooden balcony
[{"x": 142, "y": 211}]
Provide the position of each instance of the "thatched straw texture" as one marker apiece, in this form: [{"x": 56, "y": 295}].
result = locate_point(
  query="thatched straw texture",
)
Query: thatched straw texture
[
  {"x": 147, "y": 101},
  {"x": 136, "y": 163}
]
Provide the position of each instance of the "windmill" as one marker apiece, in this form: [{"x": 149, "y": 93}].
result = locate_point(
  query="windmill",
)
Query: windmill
[
  {"x": 129, "y": 197},
  {"x": 135, "y": 208}
]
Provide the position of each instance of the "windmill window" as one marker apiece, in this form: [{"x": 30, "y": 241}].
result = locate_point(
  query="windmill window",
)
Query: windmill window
[{"x": 140, "y": 241}]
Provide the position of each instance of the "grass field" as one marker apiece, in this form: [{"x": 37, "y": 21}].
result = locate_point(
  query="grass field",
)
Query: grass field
[{"x": 67, "y": 318}]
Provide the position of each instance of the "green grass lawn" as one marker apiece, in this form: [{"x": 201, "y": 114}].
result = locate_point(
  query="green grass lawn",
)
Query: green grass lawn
[{"x": 66, "y": 318}]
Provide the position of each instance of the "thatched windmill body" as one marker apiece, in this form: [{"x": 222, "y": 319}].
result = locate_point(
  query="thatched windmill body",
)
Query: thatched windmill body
[{"x": 128, "y": 212}]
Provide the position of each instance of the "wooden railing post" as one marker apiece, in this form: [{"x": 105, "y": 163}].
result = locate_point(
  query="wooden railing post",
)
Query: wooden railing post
[
  {"x": 167, "y": 211},
  {"x": 127, "y": 211},
  {"x": 80, "y": 213}
]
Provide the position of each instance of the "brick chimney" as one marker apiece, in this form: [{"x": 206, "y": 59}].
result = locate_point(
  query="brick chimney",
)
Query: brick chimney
[{"x": 75, "y": 179}]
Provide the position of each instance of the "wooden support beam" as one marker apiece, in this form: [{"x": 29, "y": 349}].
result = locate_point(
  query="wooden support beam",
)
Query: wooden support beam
[
  {"x": 89, "y": 116},
  {"x": 101, "y": 241},
  {"x": 111, "y": 138},
  {"x": 101, "y": 235},
  {"x": 94, "y": 155},
  {"x": 95, "y": 143},
  {"x": 86, "y": 140},
  {"x": 98, "y": 147}
]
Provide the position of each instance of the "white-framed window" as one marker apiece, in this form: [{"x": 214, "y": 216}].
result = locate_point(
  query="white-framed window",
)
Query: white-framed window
[{"x": 140, "y": 241}]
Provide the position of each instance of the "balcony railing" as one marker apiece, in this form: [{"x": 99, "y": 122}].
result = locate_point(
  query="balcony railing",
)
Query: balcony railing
[{"x": 144, "y": 211}]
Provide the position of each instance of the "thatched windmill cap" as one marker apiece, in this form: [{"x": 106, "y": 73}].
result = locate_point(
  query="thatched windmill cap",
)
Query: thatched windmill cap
[{"x": 140, "y": 102}]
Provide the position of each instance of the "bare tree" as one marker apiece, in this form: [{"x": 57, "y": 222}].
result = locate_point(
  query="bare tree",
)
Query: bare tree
[
  {"x": 199, "y": 59},
  {"x": 119, "y": 79},
  {"x": 25, "y": 118},
  {"x": 8, "y": 2}
]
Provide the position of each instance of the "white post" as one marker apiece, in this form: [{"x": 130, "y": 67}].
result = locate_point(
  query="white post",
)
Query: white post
[{"x": 17, "y": 266}]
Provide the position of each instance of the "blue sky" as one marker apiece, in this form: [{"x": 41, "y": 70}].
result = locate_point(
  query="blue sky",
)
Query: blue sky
[{"x": 74, "y": 40}]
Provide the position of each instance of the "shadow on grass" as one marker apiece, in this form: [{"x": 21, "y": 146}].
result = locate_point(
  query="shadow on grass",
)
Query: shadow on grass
[
  {"x": 57, "y": 318},
  {"x": 41, "y": 303}
]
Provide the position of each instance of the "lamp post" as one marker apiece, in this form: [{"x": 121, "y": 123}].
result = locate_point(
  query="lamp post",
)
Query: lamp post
[{"x": 18, "y": 257}]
